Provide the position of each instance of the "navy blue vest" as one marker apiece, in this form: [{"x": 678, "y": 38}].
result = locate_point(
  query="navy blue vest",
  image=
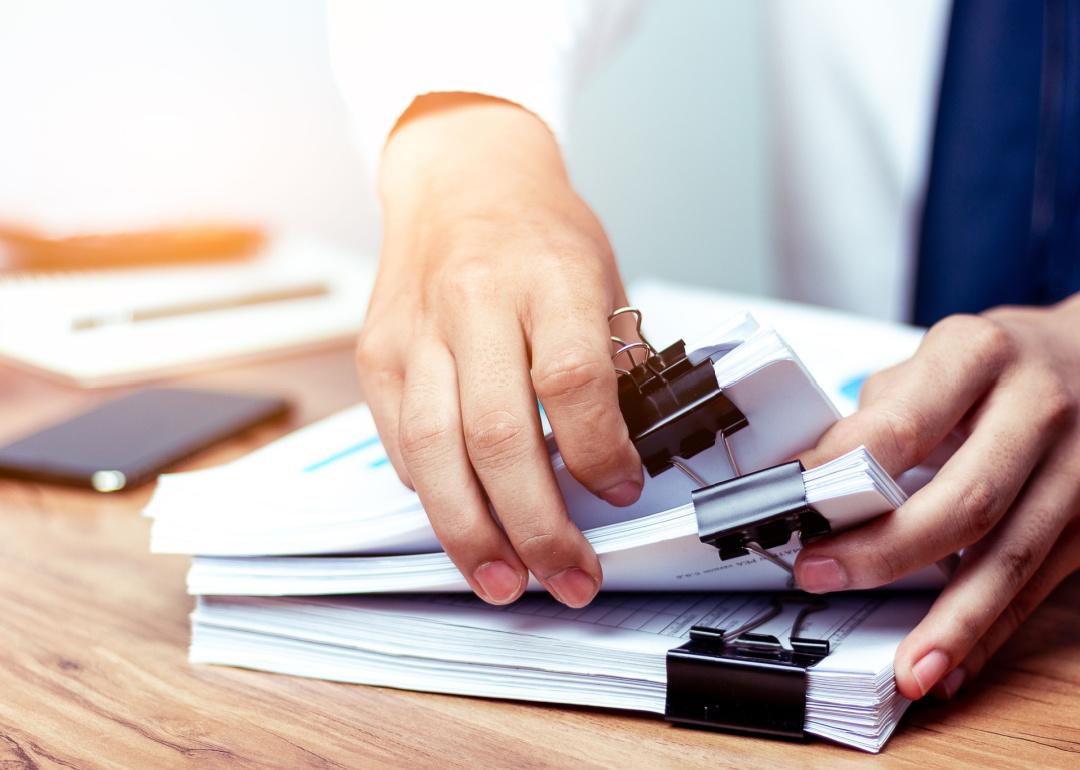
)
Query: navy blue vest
[{"x": 1001, "y": 219}]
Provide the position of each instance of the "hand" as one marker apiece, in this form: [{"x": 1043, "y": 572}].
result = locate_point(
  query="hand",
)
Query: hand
[
  {"x": 1008, "y": 382},
  {"x": 494, "y": 288}
]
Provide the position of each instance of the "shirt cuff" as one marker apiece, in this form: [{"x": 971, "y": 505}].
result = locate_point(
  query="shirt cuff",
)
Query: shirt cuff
[{"x": 533, "y": 53}]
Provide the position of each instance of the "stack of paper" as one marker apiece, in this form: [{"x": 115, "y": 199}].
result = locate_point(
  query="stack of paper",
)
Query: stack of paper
[
  {"x": 610, "y": 654},
  {"x": 320, "y": 518},
  {"x": 841, "y": 349},
  {"x": 329, "y": 488},
  {"x": 658, "y": 552}
]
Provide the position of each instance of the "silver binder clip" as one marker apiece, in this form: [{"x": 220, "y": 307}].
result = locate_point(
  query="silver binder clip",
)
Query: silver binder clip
[{"x": 758, "y": 511}]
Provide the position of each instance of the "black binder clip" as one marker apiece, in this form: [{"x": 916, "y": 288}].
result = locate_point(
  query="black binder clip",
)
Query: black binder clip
[
  {"x": 742, "y": 681},
  {"x": 673, "y": 406}
]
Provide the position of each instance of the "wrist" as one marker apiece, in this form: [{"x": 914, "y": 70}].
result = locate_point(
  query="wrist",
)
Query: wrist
[
  {"x": 464, "y": 168},
  {"x": 469, "y": 149}
]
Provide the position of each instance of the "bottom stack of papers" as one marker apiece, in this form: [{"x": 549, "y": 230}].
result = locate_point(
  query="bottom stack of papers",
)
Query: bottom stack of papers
[{"x": 610, "y": 654}]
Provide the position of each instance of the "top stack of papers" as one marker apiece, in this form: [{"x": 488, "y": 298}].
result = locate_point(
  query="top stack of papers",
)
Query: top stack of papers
[{"x": 329, "y": 488}]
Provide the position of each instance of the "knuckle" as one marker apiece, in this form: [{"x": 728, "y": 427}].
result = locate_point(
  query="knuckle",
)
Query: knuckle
[
  {"x": 1057, "y": 402},
  {"x": 909, "y": 433},
  {"x": 956, "y": 326},
  {"x": 1025, "y": 603},
  {"x": 370, "y": 350},
  {"x": 467, "y": 278},
  {"x": 535, "y": 546},
  {"x": 496, "y": 440},
  {"x": 459, "y": 538},
  {"x": 422, "y": 432},
  {"x": 976, "y": 508},
  {"x": 587, "y": 464},
  {"x": 574, "y": 273},
  {"x": 990, "y": 335},
  {"x": 873, "y": 386},
  {"x": 571, "y": 376},
  {"x": 375, "y": 356},
  {"x": 376, "y": 365},
  {"x": 990, "y": 342},
  {"x": 1017, "y": 560},
  {"x": 969, "y": 629},
  {"x": 1045, "y": 522},
  {"x": 885, "y": 564},
  {"x": 545, "y": 546}
]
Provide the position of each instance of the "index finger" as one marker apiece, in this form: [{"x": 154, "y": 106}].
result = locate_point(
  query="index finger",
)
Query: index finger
[
  {"x": 575, "y": 380},
  {"x": 903, "y": 421}
]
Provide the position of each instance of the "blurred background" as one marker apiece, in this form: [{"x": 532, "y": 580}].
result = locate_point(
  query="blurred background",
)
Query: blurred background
[{"x": 119, "y": 114}]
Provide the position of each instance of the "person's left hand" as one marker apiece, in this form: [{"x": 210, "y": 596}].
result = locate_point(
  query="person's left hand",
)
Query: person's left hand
[{"x": 1008, "y": 382}]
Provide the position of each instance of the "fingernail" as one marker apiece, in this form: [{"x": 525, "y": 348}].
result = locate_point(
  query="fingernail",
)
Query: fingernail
[
  {"x": 622, "y": 494},
  {"x": 499, "y": 581},
  {"x": 573, "y": 587},
  {"x": 820, "y": 574},
  {"x": 954, "y": 681},
  {"x": 929, "y": 669}
]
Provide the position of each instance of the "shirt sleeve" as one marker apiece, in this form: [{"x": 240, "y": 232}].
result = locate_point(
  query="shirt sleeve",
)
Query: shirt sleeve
[{"x": 534, "y": 53}]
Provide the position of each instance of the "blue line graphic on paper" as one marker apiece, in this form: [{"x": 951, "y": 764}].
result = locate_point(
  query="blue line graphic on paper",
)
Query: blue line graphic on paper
[
  {"x": 368, "y": 442},
  {"x": 850, "y": 389},
  {"x": 371, "y": 441}
]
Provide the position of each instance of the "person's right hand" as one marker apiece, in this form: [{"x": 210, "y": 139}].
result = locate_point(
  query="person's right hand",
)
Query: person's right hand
[{"x": 494, "y": 289}]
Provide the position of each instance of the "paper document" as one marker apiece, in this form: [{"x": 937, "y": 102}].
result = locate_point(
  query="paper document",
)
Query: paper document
[
  {"x": 840, "y": 348},
  {"x": 329, "y": 488},
  {"x": 312, "y": 559},
  {"x": 660, "y": 552},
  {"x": 610, "y": 654}
]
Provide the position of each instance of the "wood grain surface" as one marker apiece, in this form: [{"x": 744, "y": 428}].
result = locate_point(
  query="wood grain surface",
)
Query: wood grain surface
[{"x": 94, "y": 633}]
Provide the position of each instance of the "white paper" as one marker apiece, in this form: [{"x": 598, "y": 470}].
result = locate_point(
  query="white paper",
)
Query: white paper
[
  {"x": 610, "y": 654},
  {"x": 661, "y": 552},
  {"x": 330, "y": 489}
]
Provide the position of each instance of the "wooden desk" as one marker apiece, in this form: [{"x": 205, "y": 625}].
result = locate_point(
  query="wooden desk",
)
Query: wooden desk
[{"x": 94, "y": 633}]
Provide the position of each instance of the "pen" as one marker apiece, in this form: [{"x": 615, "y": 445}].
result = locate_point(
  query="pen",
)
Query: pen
[{"x": 301, "y": 291}]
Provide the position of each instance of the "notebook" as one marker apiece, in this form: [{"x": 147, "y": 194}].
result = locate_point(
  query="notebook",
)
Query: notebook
[{"x": 78, "y": 327}]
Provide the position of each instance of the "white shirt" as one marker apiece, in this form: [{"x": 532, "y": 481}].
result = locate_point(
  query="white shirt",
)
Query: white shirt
[
  {"x": 129, "y": 113},
  {"x": 853, "y": 88}
]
